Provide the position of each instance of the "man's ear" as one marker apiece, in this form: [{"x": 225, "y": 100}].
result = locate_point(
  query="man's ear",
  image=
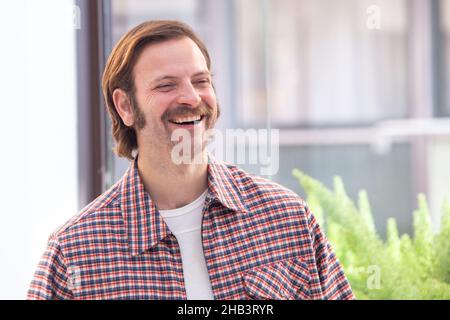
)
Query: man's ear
[{"x": 123, "y": 106}]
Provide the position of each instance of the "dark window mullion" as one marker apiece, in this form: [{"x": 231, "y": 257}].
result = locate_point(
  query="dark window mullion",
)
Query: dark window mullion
[{"x": 89, "y": 114}]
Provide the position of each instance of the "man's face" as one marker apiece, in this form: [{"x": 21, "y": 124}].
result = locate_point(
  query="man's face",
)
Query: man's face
[{"x": 173, "y": 91}]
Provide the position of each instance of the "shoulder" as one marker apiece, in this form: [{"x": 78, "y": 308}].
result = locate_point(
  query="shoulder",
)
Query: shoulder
[{"x": 92, "y": 216}]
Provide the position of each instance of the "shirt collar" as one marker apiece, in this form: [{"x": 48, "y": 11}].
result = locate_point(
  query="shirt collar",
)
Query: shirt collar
[
  {"x": 145, "y": 227},
  {"x": 222, "y": 185}
]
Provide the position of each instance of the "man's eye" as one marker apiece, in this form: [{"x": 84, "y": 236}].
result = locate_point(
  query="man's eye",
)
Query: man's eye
[
  {"x": 203, "y": 81},
  {"x": 165, "y": 87}
]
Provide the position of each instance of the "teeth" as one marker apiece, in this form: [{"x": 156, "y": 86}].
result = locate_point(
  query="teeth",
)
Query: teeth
[{"x": 189, "y": 119}]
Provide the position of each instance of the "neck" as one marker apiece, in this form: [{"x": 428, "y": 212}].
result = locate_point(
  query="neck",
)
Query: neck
[{"x": 171, "y": 185}]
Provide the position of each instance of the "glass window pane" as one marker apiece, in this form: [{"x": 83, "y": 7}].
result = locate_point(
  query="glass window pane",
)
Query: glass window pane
[
  {"x": 360, "y": 168},
  {"x": 326, "y": 66},
  {"x": 443, "y": 66},
  {"x": 322, "y": 65},
  {"x": 127, "y": 14}
]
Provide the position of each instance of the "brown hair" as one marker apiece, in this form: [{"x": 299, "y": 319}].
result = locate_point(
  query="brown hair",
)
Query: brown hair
[{"x": 119, "y": 72}]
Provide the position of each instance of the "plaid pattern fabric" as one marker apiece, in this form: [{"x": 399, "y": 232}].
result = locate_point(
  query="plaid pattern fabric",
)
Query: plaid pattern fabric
[{"x": 260, "y": 241}]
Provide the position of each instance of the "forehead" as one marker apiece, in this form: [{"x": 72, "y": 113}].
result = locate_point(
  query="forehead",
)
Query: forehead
[{"x": 175, "y": 57}]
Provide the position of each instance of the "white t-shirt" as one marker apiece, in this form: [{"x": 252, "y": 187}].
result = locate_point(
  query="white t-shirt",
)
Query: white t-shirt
[{"x": 186, "y": 224}]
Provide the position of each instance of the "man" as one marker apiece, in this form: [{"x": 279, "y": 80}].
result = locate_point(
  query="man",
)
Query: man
[{"x": 189, "y": 230}]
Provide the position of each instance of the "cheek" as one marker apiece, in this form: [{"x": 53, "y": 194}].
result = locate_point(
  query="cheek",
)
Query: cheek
[
  {"x": 210, "y": 98},
  {"x": 157, "y": 105}
]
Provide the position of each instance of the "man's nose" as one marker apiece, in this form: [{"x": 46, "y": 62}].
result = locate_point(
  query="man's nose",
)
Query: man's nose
[{"x": 189, "y": 95}]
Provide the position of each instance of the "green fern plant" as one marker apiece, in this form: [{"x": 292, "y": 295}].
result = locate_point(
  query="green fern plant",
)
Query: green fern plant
[{"x": 400, "y": 267}]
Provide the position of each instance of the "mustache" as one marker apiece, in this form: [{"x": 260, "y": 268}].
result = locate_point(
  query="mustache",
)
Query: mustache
[{"x": 183, "y": 111}]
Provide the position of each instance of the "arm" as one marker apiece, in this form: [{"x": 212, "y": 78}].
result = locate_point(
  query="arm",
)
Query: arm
[
  {"x": 332, "y": 283},
  {"x": 51, "y": 280}
]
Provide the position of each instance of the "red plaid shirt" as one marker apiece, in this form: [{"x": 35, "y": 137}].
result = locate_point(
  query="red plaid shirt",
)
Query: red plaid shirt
[{"x": 260, "y": 241}]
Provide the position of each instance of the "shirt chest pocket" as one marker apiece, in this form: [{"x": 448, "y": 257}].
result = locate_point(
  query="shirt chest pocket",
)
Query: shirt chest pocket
[{"x": 281, "y": 280}]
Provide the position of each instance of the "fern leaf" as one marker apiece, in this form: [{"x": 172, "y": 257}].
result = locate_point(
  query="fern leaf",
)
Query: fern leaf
[{"x": 366, "y": 212}]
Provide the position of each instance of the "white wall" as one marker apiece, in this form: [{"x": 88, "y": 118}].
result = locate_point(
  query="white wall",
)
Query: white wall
[{"x": 38, "y": 186}]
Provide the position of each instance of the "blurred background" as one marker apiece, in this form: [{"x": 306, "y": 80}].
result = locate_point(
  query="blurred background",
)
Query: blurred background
[{"x": 357, "y": 88}]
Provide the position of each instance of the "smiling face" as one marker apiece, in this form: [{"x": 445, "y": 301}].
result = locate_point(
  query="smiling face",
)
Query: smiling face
[{"x": 173, "y": 90}]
